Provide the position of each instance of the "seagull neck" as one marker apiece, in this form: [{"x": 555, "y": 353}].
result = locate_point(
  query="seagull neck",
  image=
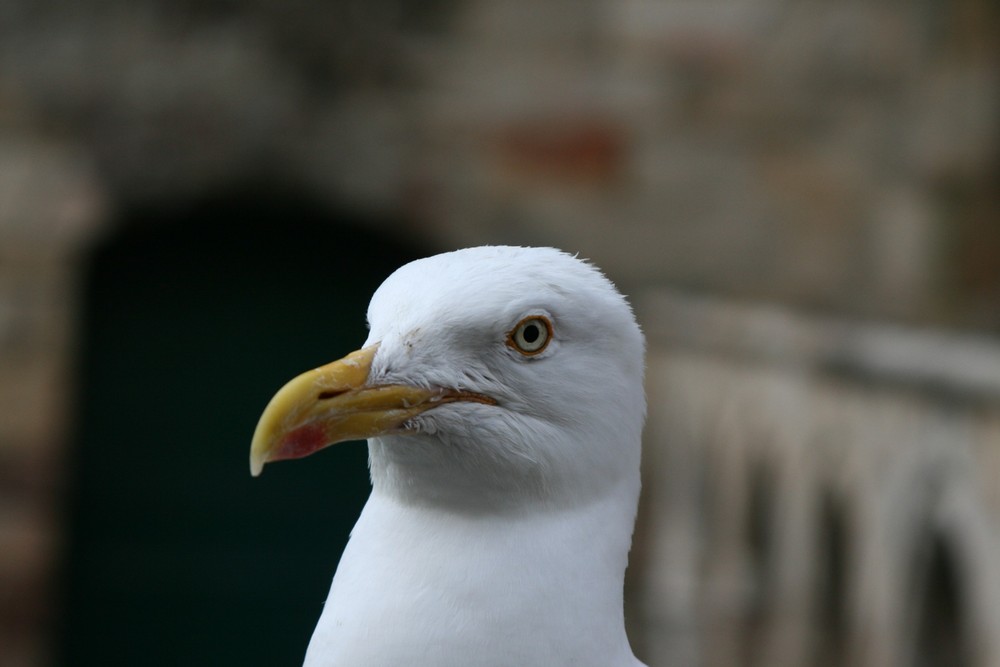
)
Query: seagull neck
[
  {"x": 477, "y": 590},
  {"x": 577, "y": 556},
  {"x": 424, "y": 472}
]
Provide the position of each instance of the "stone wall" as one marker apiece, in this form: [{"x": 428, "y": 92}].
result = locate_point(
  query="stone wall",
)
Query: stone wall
[
  {"x": 52, "y": 204},
  {"x": 804, "y": 153}
]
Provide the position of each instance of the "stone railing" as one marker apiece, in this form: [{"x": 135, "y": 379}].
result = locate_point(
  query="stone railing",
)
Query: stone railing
[{"x": 818, "y": 492}]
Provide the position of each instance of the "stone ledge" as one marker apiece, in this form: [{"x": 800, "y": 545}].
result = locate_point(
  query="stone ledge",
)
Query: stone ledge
[{"x": 951, "y": 365}]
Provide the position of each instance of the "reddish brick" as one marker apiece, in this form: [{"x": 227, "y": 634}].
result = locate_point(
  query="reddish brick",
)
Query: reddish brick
[{"x": 569, "y": 150}]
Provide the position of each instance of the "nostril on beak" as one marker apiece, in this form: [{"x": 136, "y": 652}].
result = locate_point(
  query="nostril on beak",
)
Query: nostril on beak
[{"x": 333, "y": 393}]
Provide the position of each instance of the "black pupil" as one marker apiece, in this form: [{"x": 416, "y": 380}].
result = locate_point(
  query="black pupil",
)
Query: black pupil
[{"x": 531, "y": 333}]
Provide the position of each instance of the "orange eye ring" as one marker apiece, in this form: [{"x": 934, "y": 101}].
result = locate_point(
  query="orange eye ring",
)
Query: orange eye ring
[{"x": 531, "y": 335}]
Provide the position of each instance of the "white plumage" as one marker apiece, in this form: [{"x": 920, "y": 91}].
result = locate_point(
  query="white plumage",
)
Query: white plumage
[{"x": 498, "y": 528}]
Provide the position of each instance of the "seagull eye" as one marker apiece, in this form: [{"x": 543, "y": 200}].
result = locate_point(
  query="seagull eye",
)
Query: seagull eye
[{"x": 531, "y": 335}]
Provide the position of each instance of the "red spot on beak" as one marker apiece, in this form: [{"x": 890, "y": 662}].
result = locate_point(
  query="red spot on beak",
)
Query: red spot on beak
[{"x": 300, "y": 442}]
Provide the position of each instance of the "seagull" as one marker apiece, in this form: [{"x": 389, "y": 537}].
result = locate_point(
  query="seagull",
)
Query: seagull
[{"x": 501, "y": 394}]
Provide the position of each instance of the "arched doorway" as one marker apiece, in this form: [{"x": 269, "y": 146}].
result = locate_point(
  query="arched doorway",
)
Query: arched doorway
[{"x": 194, "y": 316}]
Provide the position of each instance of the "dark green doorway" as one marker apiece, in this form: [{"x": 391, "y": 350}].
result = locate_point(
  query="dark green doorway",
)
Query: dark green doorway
[{"x": 193, "y": 316}]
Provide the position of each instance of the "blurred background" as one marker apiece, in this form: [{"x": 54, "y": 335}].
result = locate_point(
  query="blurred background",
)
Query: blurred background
[{"x": 802, "y": 199}]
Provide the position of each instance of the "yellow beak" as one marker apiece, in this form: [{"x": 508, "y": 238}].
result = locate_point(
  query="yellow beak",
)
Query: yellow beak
[{"x": 334, "y": 403}]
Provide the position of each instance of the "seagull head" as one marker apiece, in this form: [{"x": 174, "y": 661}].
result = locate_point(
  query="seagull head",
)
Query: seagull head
[{"x": 493, "y": 378}]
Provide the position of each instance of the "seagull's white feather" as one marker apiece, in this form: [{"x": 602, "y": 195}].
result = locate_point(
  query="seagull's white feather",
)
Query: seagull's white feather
[{"x": 496, "y": 534}]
